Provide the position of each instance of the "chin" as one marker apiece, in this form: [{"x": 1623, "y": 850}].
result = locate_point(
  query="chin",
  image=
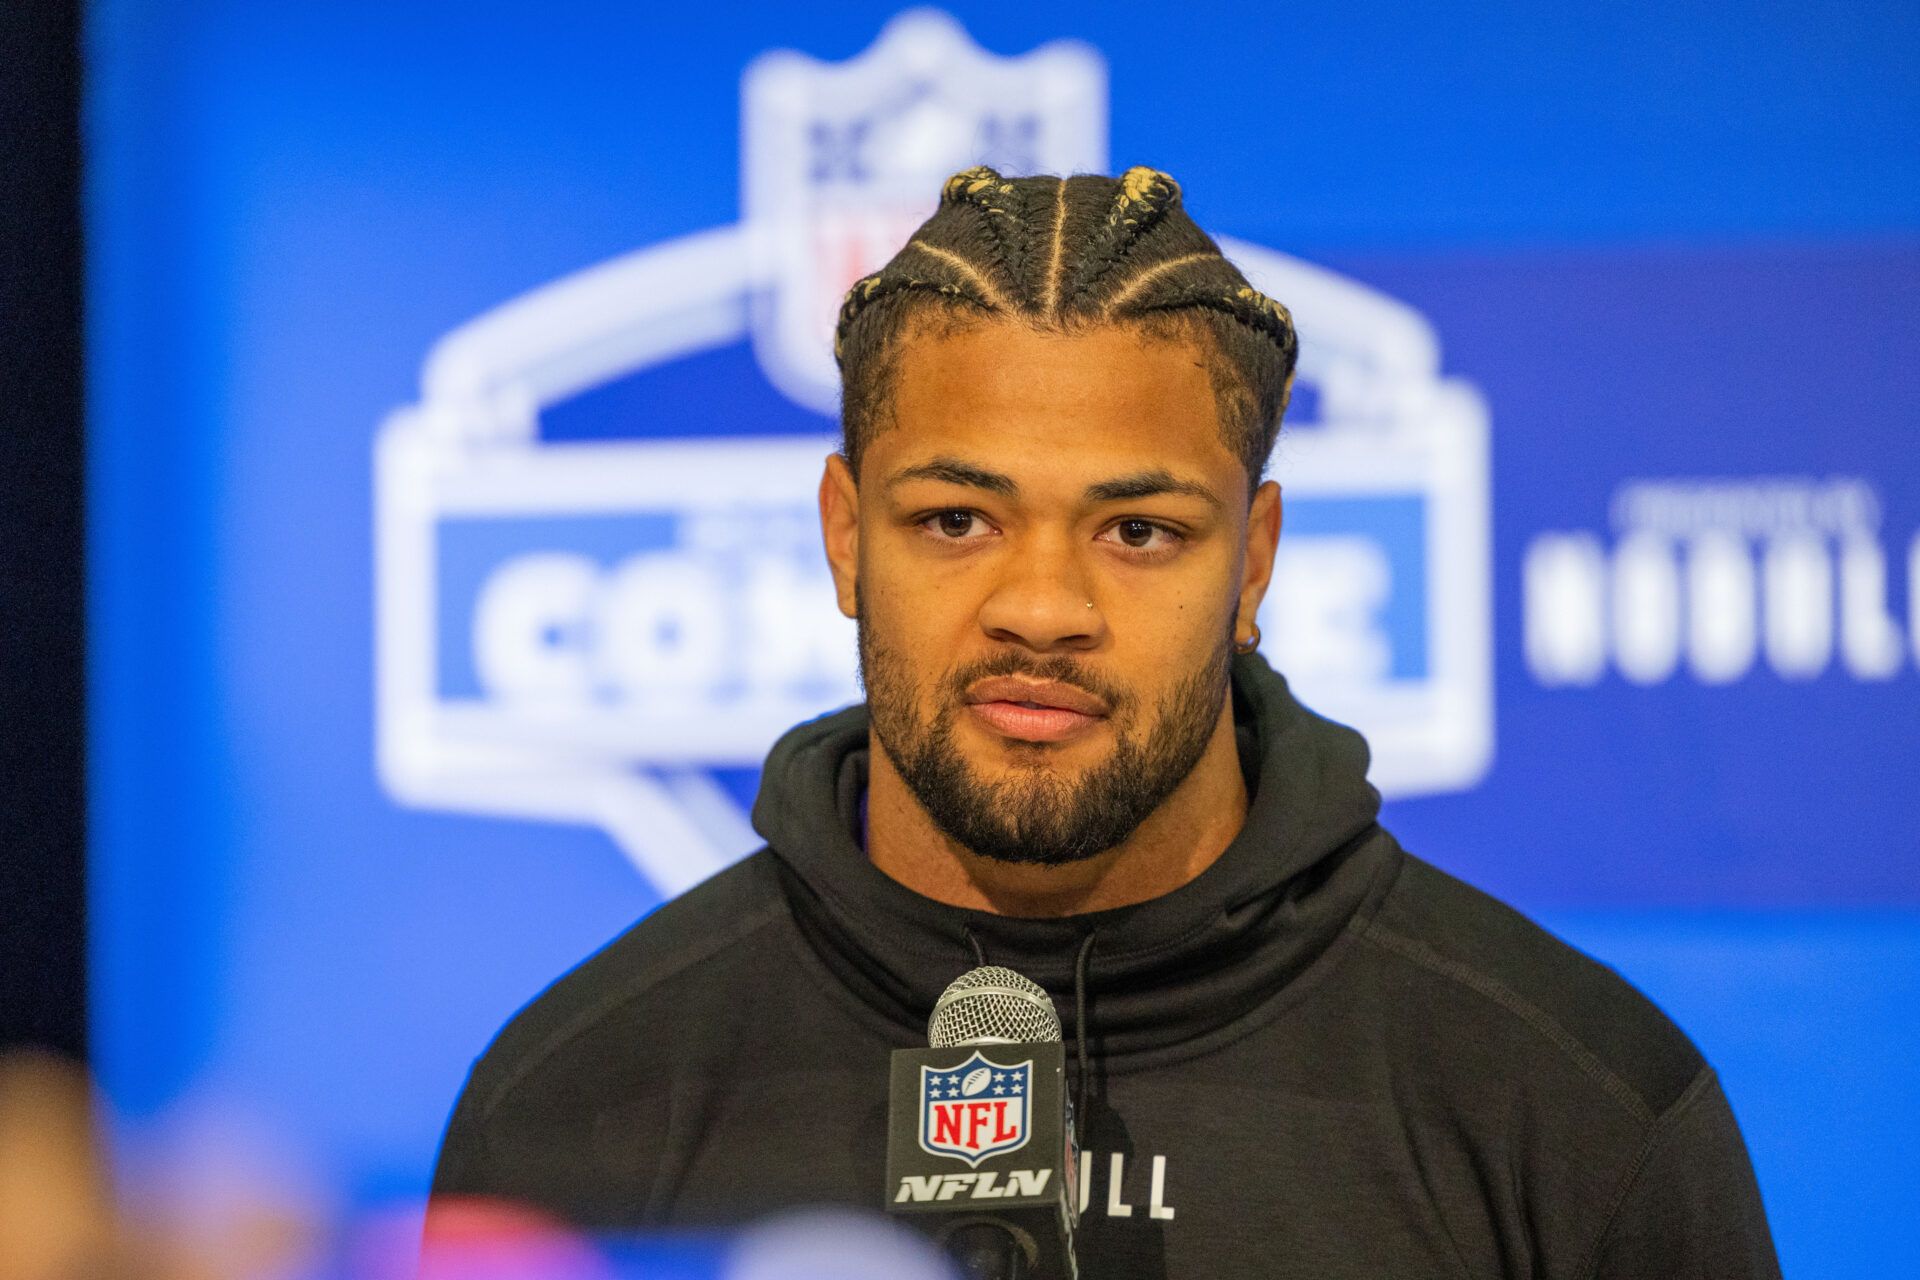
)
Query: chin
[{"x": 1018, "y": 763}]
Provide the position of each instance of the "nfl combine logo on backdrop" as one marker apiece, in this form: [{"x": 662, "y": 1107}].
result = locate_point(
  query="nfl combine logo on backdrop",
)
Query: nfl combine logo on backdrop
[
  {"x": 610, "y": 625},
  {"x": 841, "y": 162},
  {"x": 975, "y": 1110}
]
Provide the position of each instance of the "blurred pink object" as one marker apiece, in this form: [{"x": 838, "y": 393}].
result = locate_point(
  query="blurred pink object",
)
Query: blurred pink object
[{"x": 479, "y": 1239}]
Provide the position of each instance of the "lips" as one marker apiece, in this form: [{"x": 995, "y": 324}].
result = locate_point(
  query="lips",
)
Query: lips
[{"x": 1035, "y": 710}]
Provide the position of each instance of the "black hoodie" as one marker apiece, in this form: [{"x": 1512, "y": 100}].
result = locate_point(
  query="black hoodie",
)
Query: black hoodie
[{"x": 1321, "y": 1058}]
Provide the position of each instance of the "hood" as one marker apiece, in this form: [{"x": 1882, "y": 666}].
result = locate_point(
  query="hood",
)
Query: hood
[{"x": 1174, "y": 975}]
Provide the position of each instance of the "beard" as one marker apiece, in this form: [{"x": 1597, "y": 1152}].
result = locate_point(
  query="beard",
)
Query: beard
[{"x": 1038, "y": 816}]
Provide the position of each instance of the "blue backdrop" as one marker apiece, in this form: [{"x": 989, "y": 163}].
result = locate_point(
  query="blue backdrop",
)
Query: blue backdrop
[{"x": 456, "y": 375}]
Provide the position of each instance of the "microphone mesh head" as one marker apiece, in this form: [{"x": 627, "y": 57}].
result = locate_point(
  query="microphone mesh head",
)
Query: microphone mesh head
[{"x": 991, "y": 1005}]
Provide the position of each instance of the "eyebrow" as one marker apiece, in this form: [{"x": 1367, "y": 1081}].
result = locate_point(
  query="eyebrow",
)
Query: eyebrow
[
  {"x": 1141, "y": 484},
  {"x": 1148, "y": 484},
  {"x": 953, "y": 471}
]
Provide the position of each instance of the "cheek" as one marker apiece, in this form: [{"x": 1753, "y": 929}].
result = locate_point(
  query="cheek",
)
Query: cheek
[
  {"x": 1164, "y": 644},
  {"x": 899, "y": 595},
  {"x": 1178, "y": 612},
  {"x": 919, "y": 628}
]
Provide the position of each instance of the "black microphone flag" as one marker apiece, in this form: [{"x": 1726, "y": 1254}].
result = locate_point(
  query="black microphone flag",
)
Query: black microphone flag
[{"x": 979, "y": 1142}]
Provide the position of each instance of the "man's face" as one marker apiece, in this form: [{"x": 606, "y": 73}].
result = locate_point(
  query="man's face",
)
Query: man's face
[{"x": 1047, "y": 552}]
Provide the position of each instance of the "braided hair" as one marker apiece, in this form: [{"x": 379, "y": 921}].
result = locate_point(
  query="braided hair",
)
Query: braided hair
[{"x": 1058, "y": 254}]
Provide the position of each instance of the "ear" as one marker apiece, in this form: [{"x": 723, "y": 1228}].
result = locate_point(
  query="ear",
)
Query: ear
[
  {"x": 1263, "y": 540},
  {"x": 840, "y": 529}
]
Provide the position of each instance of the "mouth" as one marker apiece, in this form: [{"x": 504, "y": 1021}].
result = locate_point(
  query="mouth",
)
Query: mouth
[{"x": 1035, "y": 710}]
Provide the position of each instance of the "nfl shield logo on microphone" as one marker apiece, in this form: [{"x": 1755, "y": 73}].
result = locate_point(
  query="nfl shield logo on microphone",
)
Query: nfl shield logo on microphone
[{"x": 975, "y": 1110}]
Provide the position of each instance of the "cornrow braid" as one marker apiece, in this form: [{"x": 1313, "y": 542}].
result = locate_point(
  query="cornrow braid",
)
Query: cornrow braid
[
  {"x": 994, "y": 201},
  {"x": 1144, "y": 198},
  {"x": 1060, "y": 253}
]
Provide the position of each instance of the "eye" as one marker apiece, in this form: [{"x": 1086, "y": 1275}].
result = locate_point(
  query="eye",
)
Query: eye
[
  {"x": 956, "y": 526},
  {"x": 1142, "y": 535}
]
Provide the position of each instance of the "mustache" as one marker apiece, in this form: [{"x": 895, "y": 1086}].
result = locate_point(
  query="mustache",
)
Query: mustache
[{"x": 1058, "y": 667}]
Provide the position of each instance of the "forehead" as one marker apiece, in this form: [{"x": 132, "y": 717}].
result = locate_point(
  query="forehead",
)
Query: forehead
[{"x": 1105, "y": 395}]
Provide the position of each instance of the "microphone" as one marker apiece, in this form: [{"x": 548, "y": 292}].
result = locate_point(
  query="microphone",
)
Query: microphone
[{"x": 980, "y": 1131}]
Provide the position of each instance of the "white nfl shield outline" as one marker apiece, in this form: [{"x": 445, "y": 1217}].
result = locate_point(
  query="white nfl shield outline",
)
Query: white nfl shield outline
[
  {"x": 841, "y": 161},
  {"x": 1390, "y": 428},
  {"x": 928, "y": 1077}
]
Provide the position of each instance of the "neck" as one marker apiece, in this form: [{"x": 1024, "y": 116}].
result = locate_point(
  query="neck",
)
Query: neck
[{"x": 1177, "y": 842}]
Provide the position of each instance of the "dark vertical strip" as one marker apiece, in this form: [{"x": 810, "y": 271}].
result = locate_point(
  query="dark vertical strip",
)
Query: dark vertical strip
[{"x": 42, "y": 644}]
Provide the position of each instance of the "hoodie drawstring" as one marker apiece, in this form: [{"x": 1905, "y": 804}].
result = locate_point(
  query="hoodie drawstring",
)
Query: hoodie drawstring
[
  {"x": 1080, "y": 1032},
  {"x": 1079, "y": 1017}
]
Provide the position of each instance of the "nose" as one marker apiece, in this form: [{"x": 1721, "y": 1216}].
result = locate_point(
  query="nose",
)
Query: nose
[{"x": 1044, "y": 599}]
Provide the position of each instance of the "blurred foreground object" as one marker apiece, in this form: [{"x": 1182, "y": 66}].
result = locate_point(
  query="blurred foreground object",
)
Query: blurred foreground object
[
  {"x": 476, "y": 1238},
  {"x": 59, "y": 1218},
  {"x": 55, "y": 1218},
  {"x": 834, "y": 1245},
  {"x": 214, "y": 1206}
]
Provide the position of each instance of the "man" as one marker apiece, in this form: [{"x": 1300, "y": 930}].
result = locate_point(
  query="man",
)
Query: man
[{"x": 1311, "y": 1054}]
